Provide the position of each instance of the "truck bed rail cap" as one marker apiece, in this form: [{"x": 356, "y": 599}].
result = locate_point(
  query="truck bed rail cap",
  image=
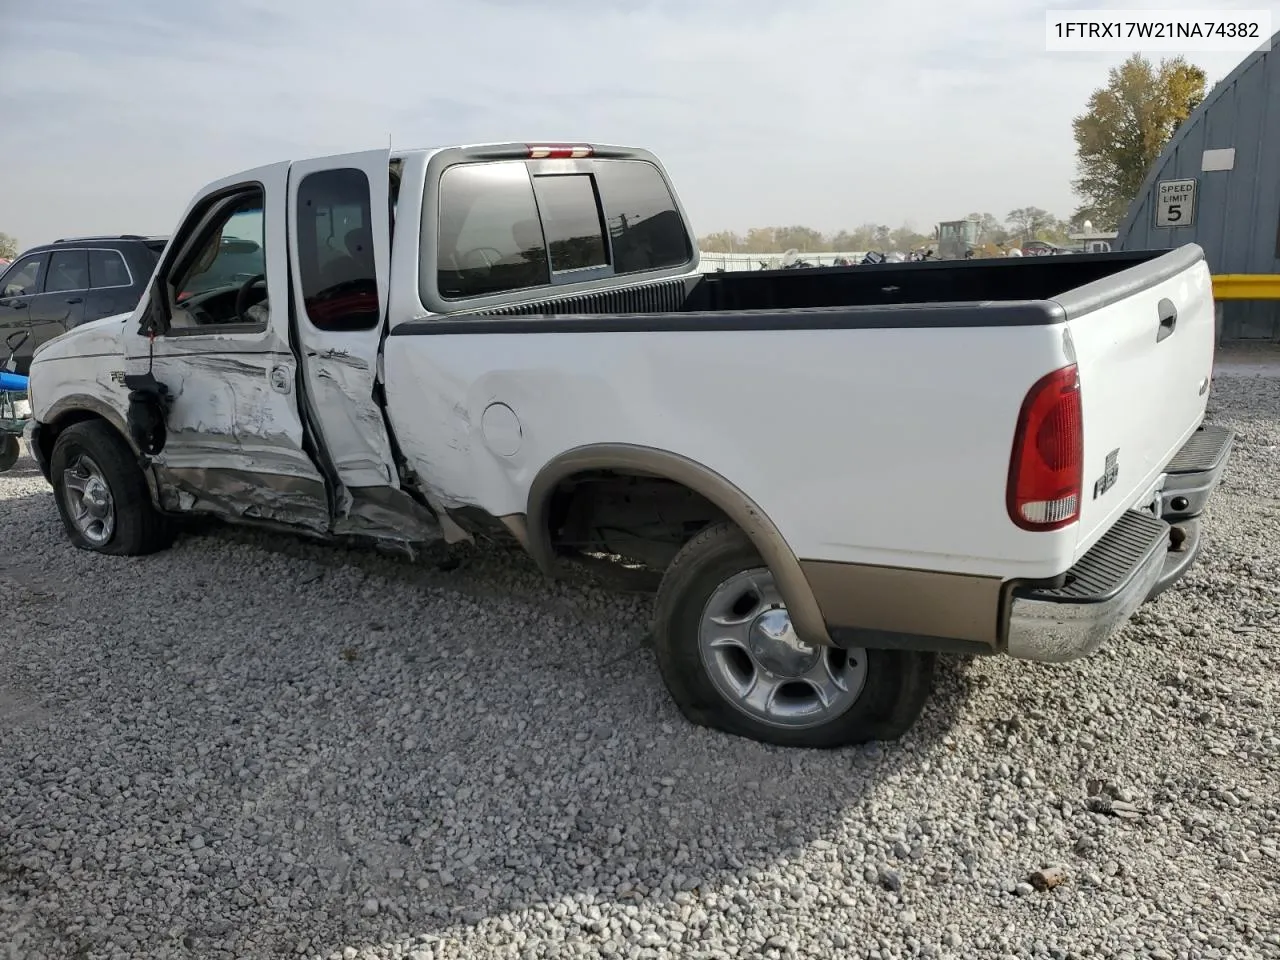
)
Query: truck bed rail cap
[
  {"x": 1127, "y": 283},
  {"x": 906, "y": 316}
]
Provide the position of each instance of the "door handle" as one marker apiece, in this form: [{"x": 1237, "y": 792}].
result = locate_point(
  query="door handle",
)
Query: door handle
[
  {"x": 76, "y": 300},
  {"x": 1168, "y": 319},
  {"x": 18, "y": 305}
]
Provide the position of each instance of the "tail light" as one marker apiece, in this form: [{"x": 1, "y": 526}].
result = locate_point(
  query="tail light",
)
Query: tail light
[{"x": 1047, "y": 466}]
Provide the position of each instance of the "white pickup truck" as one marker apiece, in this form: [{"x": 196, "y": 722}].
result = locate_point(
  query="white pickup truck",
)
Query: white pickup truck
[{"x": 839, "y": 472}]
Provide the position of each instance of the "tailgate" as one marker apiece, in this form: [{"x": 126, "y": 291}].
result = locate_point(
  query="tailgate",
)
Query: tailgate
[{"x": 1144, "y": 343}]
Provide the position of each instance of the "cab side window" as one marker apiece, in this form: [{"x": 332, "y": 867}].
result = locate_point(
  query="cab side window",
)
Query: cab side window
[
  {"x": 336, "y": 264},
  {"x": 23, "y": 278},
  {"x": 220, "y": 275},
  {"x": 230, "y": 257}
]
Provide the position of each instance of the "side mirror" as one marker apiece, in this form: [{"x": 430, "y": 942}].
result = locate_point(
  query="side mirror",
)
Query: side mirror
[{"x": 155, "y": 318}]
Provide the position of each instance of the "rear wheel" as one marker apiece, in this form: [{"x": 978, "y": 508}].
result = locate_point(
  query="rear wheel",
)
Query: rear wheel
[
  {"x": 731, "y": 658},
  {"x": 102, "y": 495}
]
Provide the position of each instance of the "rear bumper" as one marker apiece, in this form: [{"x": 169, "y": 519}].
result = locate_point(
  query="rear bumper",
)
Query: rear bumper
[
  {"x": 1138, "y": 558},
  {"x": 1102, "y": 591}
]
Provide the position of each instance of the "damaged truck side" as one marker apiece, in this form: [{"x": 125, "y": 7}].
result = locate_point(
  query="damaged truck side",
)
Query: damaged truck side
[{"x": 838, "y": 473}]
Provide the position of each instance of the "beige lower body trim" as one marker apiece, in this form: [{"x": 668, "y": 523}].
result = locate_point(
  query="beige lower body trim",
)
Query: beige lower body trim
[
  {"x": 515, "y": 524},
  {"x": 899, "y": 600},
  {"x": 818, "y": 594}
]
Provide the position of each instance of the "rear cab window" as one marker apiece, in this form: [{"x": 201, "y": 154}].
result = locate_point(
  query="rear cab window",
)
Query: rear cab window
[{"x": 510, "y": 226}]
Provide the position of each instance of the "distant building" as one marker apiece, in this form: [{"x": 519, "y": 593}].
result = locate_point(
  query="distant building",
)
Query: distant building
[{"x": 1216, "y": 184}]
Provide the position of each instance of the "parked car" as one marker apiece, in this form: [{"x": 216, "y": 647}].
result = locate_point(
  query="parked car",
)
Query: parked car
[
  {"x": 50, "y": 289},
  {"x": 1042, "y": 248},
  {"x": 837, "y": 473}
]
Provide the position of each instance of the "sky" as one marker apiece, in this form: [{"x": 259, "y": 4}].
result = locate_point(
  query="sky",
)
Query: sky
[{"x": 826, "y": 113}]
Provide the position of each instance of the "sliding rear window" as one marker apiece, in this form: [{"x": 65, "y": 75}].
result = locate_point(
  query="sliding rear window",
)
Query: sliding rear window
[
  {"x": 571, "y": 221},
  {"x": 506, "y": 226}
]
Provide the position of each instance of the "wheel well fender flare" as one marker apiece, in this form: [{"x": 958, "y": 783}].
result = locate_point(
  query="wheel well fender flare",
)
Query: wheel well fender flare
[
  {"x": 78, "y": 408},
  {"x": 736, "y": 506}
]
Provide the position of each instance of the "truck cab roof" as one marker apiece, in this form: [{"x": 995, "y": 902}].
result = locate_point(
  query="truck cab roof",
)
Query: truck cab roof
[{"x": 512, "y": 150}]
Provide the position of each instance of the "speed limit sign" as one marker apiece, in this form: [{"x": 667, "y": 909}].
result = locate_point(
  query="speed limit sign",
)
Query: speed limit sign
[{"x": 1176, "y": 203}]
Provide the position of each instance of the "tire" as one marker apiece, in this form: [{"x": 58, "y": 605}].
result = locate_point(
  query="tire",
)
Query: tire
[
  {"x": 10, "y": 451},
  {"x": 869, "y": 694},
  {"x": 92, "y": 456}
]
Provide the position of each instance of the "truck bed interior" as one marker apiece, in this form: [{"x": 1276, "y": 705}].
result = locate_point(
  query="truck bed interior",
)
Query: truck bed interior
[
  {"x": 870, "y": 285},
  {"x": 965, "y": 281}
]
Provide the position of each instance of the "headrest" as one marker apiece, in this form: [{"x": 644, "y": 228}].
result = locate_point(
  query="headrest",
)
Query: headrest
[
  {"x": 527, "y": 234},
  {"x": 359, "y": 242}
]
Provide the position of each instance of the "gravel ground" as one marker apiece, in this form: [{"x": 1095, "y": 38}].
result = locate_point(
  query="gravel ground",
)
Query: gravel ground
[{"x": 253, "y": 747}]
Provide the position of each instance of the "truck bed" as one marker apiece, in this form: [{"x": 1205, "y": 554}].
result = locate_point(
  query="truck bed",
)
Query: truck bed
[
  {"x": 1006, "y": 282},
  {"x": 865, "y": 384}
]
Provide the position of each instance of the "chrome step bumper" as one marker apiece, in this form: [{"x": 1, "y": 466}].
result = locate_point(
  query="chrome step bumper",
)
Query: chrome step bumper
[{"x": 1137, "y": 559}]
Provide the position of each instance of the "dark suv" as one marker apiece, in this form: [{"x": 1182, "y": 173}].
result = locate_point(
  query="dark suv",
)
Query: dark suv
[{"x": 52, "y": 288}]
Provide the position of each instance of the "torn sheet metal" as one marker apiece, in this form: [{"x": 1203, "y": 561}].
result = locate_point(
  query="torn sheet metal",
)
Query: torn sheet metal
[
  {"x": 240, "y": 496},
  {"x": 355, "y": 434},
  {"x": 235, "y": 448},
  {"x": 229, "y": 426},
  {"x": 388, "y": 514},
  {"x": 427, "y": 404}
]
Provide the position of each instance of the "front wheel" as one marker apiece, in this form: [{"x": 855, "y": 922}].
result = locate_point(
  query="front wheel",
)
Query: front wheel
[
  {"x": 102, "y": 495},
  {"x": 732, "y": 661}
]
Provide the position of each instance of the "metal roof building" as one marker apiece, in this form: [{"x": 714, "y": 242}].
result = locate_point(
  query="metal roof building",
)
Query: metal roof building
[{"x": 1217, "y": 183}]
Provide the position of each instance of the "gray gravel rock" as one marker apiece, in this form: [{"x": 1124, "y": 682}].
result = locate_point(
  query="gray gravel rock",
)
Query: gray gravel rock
[{"x": 251, "y": 746}]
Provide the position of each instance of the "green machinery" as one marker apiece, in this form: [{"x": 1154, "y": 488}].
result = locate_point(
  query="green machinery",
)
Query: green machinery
[{"x": 957, "y": 238}]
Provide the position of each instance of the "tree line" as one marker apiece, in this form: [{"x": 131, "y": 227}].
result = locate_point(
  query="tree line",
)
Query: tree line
[
  {"x": 1124, "y": 127},
  {"x": 1018, "y": 227}
]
